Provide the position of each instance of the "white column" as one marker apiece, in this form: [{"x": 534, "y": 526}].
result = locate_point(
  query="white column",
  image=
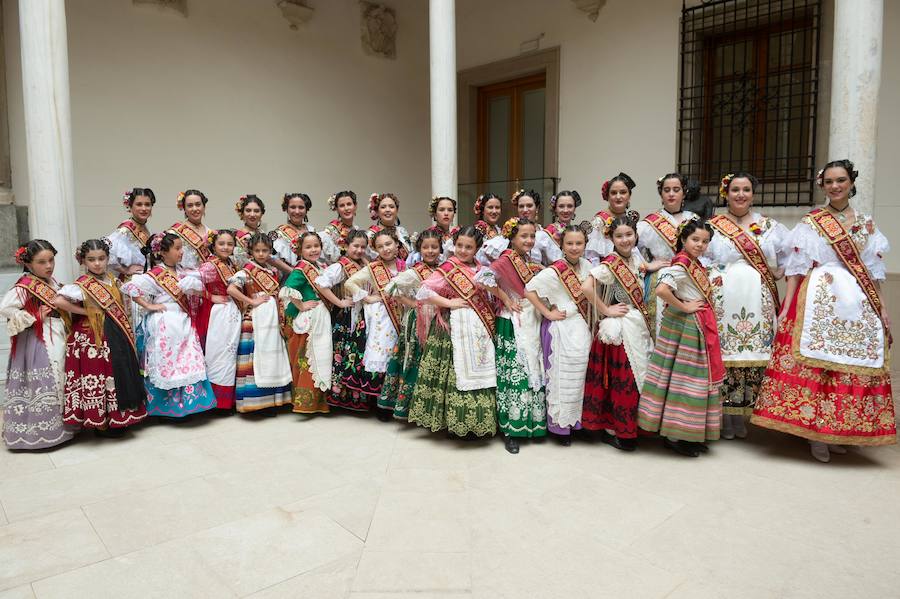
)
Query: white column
[
  {"x": 48, "y": 128},
  {"x": 855, "y": 81},
  {"x": 442, "y": 34}
]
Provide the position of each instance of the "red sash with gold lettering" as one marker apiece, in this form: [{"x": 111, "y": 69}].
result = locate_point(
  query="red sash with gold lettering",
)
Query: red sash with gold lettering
[
  {"x": 423, "y": 270},
  {"x": 291, "y": 233},
  {"x": 750, "y": 250},
  {"x": 839, "y": 239},
  {"x": 487, "y": 230},
  {"x": 194, "y": 239},
  {"x": 39, "y": 293},
  {"x": 629, "y": 281},
  {"x": 572, "y": 284},
  {"x": 350, "y": 267},
  {"x": 554, "y": 230},
  {"x": 310, "y": 271},
  {"x": 664, "y": 228},
  {"x": 265, "y": 280},
  {"x": 524, "y": 270},
  {"x": 460, "y": 279},
  {"x": 696, "y": 272},
  {"x": 382, "y": 276},
  {"x": 224, "y": 269},
  {"x": 109, "y": 303},
  {"x": 169, "y": 283},
  {"x": 140, "y": 234}
]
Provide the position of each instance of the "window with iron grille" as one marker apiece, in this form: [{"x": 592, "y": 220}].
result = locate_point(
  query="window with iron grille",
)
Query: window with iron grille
[{"x": 749, "y": 82}]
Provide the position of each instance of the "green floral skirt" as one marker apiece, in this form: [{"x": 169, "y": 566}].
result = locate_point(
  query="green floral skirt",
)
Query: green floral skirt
[
  {"x": 521, "y": 411},
  {"x": 437, "y": 404}
]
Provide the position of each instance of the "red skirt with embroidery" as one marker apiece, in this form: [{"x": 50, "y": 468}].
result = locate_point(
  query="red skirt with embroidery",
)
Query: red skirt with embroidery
[
  {"x": 820, "y": 404},
  {"x": 610, "y": 393}
]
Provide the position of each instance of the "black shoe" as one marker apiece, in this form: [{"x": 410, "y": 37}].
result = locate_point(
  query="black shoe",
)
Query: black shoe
[
  {"x": 110, "y": 433},
  {"x": 681, "y": 447},
  {"x": 382, "y": 415},
  {"x": 512, "y": 446},
  {"x": 701, "y": 447},
  {"x": 614, "y": 441},
  {"x": 564, "y": 440}
]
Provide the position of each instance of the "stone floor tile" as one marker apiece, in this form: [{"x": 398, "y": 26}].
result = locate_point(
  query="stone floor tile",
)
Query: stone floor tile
[
  {"x": 22, "y": 592},
  {"x": 47, "y": 545},
  {"x": 352, "y": 506},
  {"x": 331, "y": 581},
  {"x": 413, "y": 572}
]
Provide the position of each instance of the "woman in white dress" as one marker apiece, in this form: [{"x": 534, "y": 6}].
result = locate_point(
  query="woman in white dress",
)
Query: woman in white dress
[
  {"x": 286, "y": 236},
  {"x": 744, "y": 257},
  {"x": 192, "y": 231},
  {"x": 384, "y": 208}
]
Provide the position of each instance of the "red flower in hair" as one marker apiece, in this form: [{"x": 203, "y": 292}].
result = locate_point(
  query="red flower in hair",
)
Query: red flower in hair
[
  {"x": 20, "y": 255},
  {"x": 604, "y": 191}
]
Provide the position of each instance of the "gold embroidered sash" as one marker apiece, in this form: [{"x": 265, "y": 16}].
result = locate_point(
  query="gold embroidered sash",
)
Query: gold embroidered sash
[
  {"x": 423, "y": 270},
  {"x": 264, "y": 279},
  {"x": 696, "y": 272},
  {"x": 341, "y": 230},
  {"x": 310, "y": 271},
  {"x": 223, "y": 269},
  {"x": 194, "y": 239},
  {"x": 629, "y": 281},
  {"x": 460, "y": 279},
  {"x": 44, "y": 294},
  {"x": 139, "y": 233},
  {"x": 524, "y": 270},
  {"x": 487, "y": 230},
  {"x": 350, "y": 267},
  {"x": 109, "y": 303},
  {"x": 664, "y": 228},
  {"x": 554, "y": 230},
  {"x": 747, "y": 245},
  {"x": 169, "y": 283},
  {"x": 572, "y": 284},
  {"x": 839, "y": 239},
  {"x": 382, "y": 276}
]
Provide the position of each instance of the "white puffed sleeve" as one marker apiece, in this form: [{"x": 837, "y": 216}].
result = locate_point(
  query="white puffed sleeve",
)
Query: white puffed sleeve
[
  {"x": 603, "y": 275},
  {"x": 11, "y": 308},
  {"x": 672, "y": 276},
  {"x": 124, "y": 250},
  {"x": 141, "y": 285},
  {"x": 873, "y": 254},
  {"x": 598, "y": 245},
  {"x": 72, "y": 292},
  {"x": 284, "y": 251},
  {"x": 239, "y": 278},
  {"x": 549, "y": 251},
  {"x": 780, "y": 239},
  {"x": 544, "y": 283},
  {"x": 330, "y": 250},
  {"x": 486, "y": 277},
  {"x": 331, "y": 276},
  {"x": 357, "y": 286},
  {"x": 804, "y": 249},
  {"x": 492, "y": 248},
  {"x": 191, "y": 283}
]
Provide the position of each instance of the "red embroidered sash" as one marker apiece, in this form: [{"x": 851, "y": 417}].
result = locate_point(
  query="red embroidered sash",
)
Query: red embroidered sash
[
  {"x": 291, "y": 233},
  {"x": 554, "y": 230},
  {"x": 264, "y": 279},
  {"x": 109, "y": 303},
  {"x": 192, "y": 238},
  {"x": 603, "y": 215},
  {"x": 382, "y": 276},
  {"x": 223, "y": 269},
  {"x": 524, "y": 270},
  {"x": 664, "y": 228},
  {"x": 750, "y": 250},
  {"x": 242, "y": 237},
  {"x": 839, "y": 239},
  {"x": 140, "y": 234},
  {"x": 696, "y": 272},
  {"x": 169, "y": 283},
  {"x": 572, "y": 284},
  {"x": 423, "y": 270},
  {"x": 629, "y": 281},
  {"x": 460, "y": 279},
  {"x": 487, "y": 230},
  {"x": 310, "y": 271},
  {"x": 341, "y": 230},
  {"x": 350, "y": 267},
  {"x": 38, "y": 289}
]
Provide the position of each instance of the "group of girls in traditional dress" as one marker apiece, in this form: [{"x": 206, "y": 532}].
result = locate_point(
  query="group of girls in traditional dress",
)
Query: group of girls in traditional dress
[{"x": 621, "y": 326}]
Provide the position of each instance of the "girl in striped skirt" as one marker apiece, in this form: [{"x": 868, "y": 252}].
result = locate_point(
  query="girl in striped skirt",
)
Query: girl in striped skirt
[{"x": 680, "y": 399}]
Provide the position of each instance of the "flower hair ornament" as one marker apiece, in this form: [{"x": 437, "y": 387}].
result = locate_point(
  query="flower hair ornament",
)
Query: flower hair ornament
[
  {"x": 180, "y": 201},
  {"x": 20, "y": 255},
  {"x": 332, "y": 202},
  {"x": 607, "y": 226},
  {"x": 515, "y": 197},
  {"x": 211, "y": 235},
  {"x": 723, "y": 186},
  {"x": 156, "y": 242},
  {"x": 604, "y": 191},
  {"x": 373, "y": 205},
  {"x": 126, "y": 199},
  {"x": 508, "y": 227},
  {"x": 240, "y": 205},
  {"x": 576, "y": 197},
  {"x": 79, "y": 257},
  {"x": 432, "y": 205},
  {"x": 478, "y": 207},
  {"x": 820, "y": 178}
]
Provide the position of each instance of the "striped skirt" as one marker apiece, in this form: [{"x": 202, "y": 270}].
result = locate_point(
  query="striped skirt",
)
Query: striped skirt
[
  {"x": 678, "y": 400},
  {"x": 249, "y": 397}
]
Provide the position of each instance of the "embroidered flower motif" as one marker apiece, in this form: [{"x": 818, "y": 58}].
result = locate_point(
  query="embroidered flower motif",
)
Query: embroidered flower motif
[{"x": 756, "y": 229}]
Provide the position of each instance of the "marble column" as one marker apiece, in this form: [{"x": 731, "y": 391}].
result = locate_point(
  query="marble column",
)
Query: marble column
[
  {"x": 48, "y": 128},
  {"x": 855, "y": 81},
  {"x": 442, "y": 35}
]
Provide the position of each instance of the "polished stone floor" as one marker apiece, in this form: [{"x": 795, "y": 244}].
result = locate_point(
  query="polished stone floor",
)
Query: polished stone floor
[{"x": 346, "y": 506}]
